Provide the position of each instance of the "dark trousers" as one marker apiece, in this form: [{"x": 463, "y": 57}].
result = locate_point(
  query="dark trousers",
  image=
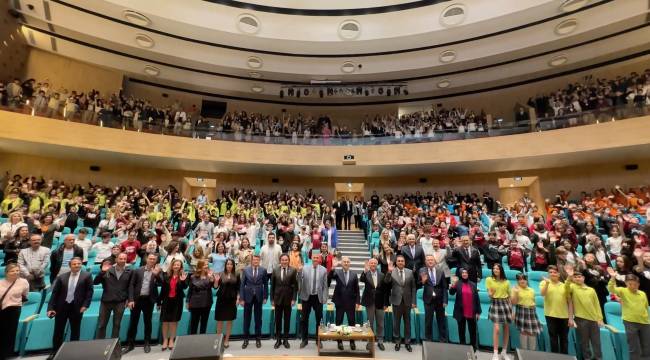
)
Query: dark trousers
[
  {"x": 349, "y": 312},
  {"x": 402, "y": 311},
  {"x": 9, "y": 324},
  {"x": 346, "y": 221},
  {"x": 282, "y": 320},
  {"x": 558, "y": 332},
  {"x": 471, "y": 324},
  {"x": 638, "y": 340},
  {"x": 253, "y": 308},
  {"x": 441, "y": 319},
  {"x": 199, "y": 316},
  {"x": 307, "y": 306},
  {"x": 105, "y": 310},
  {"x": 143, "y": 305},
  {"x": 588, "y": 334},
  {"x": 339, "y": 221},
  {"x": 67, "y": 313}
]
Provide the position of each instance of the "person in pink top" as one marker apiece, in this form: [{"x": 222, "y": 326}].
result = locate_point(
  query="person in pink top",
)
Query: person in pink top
[
  {"x": 13, "y": 289},
  {"x": 467, "y": 308}
]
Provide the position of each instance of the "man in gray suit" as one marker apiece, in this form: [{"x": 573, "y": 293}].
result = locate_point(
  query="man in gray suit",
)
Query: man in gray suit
[
  {"x": 313, "y": 293},
  {"x": 402, "y": 298}
]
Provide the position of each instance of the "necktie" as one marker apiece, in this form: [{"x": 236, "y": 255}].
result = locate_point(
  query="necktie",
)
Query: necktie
[
  {"x": 374, "y": 279},
  {"x": 432, "y": 276},
  {"x": 254, "y": 273},
  {"x": 412, "y": 252},
  {"x": 401, "y": 275},
  {"x": 72, "y": 284},
  {"x": 313, "y": 281},
  {"x": 346, "y": 278},
  {"x": 282, "y": 275}
]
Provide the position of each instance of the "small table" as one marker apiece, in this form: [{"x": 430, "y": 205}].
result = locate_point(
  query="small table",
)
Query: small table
[{"x": 365, "y": 335}]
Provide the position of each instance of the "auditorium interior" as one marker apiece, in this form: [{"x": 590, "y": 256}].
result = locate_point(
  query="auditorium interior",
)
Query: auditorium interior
[{"x": 206, "y": 140}]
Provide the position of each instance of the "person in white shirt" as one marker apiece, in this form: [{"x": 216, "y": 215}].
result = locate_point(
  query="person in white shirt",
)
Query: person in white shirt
[
  {"x": 427, "y": 244},
  {"x": 615, "y": 241},
  {"x": 84, "y": 243},
  {"x": 102, "y": 248},
  {"x": 33, "y": 261},
  {"x": 523, "y": 240},
  {"x": 270, "y": 254}
]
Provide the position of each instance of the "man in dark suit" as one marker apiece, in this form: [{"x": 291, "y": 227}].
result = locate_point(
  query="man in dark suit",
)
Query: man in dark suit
[
  {"x": 253, "y": 292},
  {"x": 115, "y": 280},
  {"x": 71, "y": 295},
  {"x": 347, "y": 215},
  {"x": 468, "y": 257},
  {"x": 346, "y": 295},
  {"x": 402, "y": 299},
  {"x": 339, "y": 206},
  {"x": 413, "y": 254},
  {"x": 143, "y": 295},
  {"x": 284, "y": 287},
  {"x": 375, "y": 299},
  {"x": 434, "y": 297}
]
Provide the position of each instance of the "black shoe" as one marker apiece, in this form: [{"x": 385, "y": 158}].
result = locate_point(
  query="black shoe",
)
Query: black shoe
[
  {"x": 353, "y": 346},
  {"x": 303, "y": 344},
  {"x": 245, "y": 344},
  {"x": 277, "y": 344},
  {"x": 397, "y": 346},
  {"x": 381, "y": 346},
  {"x": 340, "y": 344},
  {"x": 128, "y": 348},
  {"x": 408, "y": 348},
  {"x": 258, "y": 343},
  {"x": 286, "y": 344},
  {"x": 147, "y": 348}
]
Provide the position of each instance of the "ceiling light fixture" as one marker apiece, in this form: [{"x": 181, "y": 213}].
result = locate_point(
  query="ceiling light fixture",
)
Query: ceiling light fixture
[
  {"x": 136, "y": 18},
  {"x": 349, "y": 30},
  {"x": 447, "y": 56},
  {"x": 453, "y": 15},
  {"x": 566, "y": 27},
  {"x": 348, "y": 67},
  {"x": 572, "y": 5},
  {"x": 558, "y": 60},
  {"x": 254, "y": 62},
  {"x": 248, "y": 24},
  {"x": 257, "y": 88},
  {"x": 151, "y": 70},
  {"x": 144, "y": 41},
  {"x": 444, "y": 84}
]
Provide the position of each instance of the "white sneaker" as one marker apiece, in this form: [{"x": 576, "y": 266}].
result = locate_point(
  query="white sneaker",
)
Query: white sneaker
[
  {"x": 496, "y": 357},
  {"x": 504, "y": 355}
]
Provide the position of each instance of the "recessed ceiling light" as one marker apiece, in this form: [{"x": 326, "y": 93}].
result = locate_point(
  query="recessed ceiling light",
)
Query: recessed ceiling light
[
  {"x": 254, "y": 62},
  {"x": 144, "y": 41},
  {"x": 566, "y": 27},
  {"x": 248, "y": 24},
  {"x": 255, "y": 75},
  {"x": 348, "y": 67},
  {"x": 151, "y": 70},
  {"x": 558, "y": 60},
  {"x": 349, "y": 30},
  {"x": 136, "y": 18},
  {"x": 444, "y": 84},
  {"x": 453, "y": 15},
  {"x": 572, "y": 5},
  {"x": 257, "y": 88},
  {"x": 447, "y": 56}
]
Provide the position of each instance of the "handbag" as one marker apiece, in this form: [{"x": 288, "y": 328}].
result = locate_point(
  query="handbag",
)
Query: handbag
[{"x": 2, "y": 298}]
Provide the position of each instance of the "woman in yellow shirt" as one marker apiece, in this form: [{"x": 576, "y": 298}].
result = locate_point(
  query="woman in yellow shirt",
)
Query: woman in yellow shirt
[
  {"x": 500, "y": 312},
  {"x": 523, "y": 297}
]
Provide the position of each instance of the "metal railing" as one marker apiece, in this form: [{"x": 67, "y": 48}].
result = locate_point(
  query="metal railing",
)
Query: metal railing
[{"x": 209, "y": 132}]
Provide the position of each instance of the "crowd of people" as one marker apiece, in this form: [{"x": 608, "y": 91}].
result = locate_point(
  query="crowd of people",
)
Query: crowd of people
[
  {"x": 120, "y": 110},
  {"x": 593, "y": 95},
  {"x": 153, "y": 248}
]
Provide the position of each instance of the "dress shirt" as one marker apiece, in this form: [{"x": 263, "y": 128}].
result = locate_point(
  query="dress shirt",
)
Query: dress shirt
[
  {"x": 72, "y": 285},
  {"x": 146, "y": 280}
]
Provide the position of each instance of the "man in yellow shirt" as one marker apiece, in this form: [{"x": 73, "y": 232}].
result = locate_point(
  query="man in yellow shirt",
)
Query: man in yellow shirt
[
  {"x": 634, "y": 305},
  {"x": 588, "y": 317}
]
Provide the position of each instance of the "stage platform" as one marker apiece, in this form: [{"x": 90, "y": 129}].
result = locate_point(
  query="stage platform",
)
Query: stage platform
[{"x": 294, "y": 353}]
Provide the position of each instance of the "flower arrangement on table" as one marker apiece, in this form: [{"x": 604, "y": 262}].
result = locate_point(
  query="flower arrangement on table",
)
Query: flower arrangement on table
[{"x": 344, "y": 330}]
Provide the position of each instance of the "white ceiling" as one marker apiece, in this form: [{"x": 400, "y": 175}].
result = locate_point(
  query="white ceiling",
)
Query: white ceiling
[{"x": 99, "y": 34}]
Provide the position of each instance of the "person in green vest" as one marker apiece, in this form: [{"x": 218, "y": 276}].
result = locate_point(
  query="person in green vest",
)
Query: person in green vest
[
  {"x": 634, "y": 305},
  {"x": 588, "y": 317}
]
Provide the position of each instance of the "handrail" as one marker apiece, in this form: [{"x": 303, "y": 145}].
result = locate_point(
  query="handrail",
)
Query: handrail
[{"x": 210, "y": 132}]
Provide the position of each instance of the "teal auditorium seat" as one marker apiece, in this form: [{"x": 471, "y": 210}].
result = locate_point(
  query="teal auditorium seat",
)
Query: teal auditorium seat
[
  {"x": 91, "y": 316},
  {"x": 614, "y": 318},
  {"x": 28, "y": 313},
  {"x": 37, "y": 334}
]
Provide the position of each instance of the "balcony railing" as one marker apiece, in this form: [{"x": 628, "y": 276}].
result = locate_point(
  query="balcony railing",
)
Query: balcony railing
[{"x": 209, "y": 132}]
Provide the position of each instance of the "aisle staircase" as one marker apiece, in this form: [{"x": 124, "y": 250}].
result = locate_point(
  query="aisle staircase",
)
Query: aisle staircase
[{"x": 351, "y": 243}]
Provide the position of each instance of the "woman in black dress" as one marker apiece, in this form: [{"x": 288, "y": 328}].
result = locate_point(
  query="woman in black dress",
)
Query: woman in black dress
[
  {"x": 170, "y": 301},
  {"x": 199, "y": 297},
  {"x": 227, "y": 292}
]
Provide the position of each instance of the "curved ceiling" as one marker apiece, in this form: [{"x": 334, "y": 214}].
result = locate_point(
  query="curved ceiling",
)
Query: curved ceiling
[
  {"x": 327, "y": 8},
  {"x": 213, "y": 46}
]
